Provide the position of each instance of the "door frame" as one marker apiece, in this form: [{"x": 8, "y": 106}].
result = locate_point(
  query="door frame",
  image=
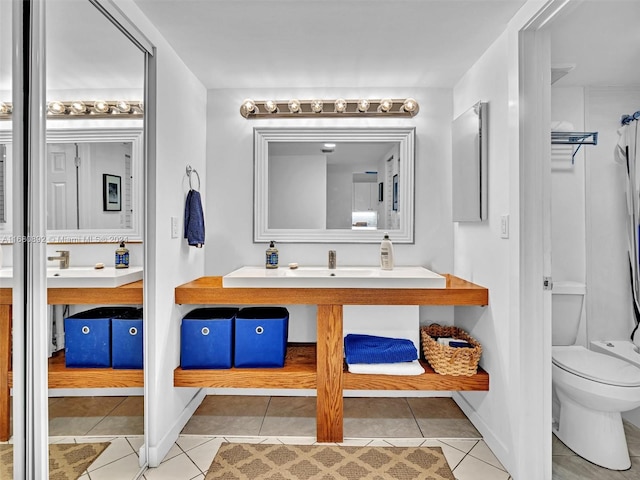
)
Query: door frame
[{"x": 534, "y": 210}]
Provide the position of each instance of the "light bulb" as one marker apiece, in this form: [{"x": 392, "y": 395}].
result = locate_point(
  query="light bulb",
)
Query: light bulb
[
  {"x": 56, "y": 107},
  {"x": 248, "y": 107},
  {"x": 271, "y": 106},
  {"x": 294, "y": 106},
  {"x": 385, "y": 105},
  {"x": 363, "y": 105},
  {"x": 410, "y": 106},
  {"x": 341, "y": 105},
  {"x": 316, "y": 106},
  {"x": 100, "y": 106},
  {"x": 123, "y": 106},
  {"x": 77, "y": 107}
]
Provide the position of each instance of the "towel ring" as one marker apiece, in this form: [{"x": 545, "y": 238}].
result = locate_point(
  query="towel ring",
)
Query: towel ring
[{"x": 191, "y": 170}]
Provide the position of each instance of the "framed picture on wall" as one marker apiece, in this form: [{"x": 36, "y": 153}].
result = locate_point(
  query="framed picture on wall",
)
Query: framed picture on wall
[
  {"x": 395, "y": 192},
  {"x": 111, "y": 193},
  {"x": 380, "y": 191}
]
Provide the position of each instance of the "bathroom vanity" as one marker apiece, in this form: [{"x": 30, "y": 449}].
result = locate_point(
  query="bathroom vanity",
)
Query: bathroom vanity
[
  {"x": 59, "y": 375},
  {"x": 320, "y": 366}
]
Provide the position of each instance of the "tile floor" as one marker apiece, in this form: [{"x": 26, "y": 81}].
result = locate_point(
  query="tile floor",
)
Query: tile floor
[
  {"x": 375, "y": 421},
  {"x": 568, "y": 466},
  {"x": 263, "y": 419}
]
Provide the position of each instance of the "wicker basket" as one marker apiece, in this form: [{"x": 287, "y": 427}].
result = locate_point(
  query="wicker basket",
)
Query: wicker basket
[{"x": 449, "y": 360}]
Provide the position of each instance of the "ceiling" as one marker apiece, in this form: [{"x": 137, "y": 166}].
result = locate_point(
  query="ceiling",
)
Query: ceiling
[
  {"x": 601, "y": 38},
  {"x": 352, "y": 154},
  {"x": 328, "y": 43},
  {"x": 382, "y": 43}
]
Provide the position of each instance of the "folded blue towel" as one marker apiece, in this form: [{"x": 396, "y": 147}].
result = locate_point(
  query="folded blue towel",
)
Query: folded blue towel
[
  {"x": 372, "y": 349},
  {"x": 194, "y": 219}
]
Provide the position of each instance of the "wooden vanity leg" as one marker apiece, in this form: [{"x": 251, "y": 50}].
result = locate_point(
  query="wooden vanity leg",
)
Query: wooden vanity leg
[
  {"x": 5, "y": 365},
  {"x": 329, "y": 363}
]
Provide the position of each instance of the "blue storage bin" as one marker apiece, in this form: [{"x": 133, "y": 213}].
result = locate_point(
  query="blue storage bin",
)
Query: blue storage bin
[
  {"x": 88, "y": 337},
  {"x": 261, "y": 337},
  {"x": 126, "y": 341},
  {"x": 206, "y": 338}
]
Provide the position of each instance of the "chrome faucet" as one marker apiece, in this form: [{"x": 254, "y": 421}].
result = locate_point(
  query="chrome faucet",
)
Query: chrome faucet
[
  {"x": 332, "y": 259},
  {"x": 64, "y": 258}
]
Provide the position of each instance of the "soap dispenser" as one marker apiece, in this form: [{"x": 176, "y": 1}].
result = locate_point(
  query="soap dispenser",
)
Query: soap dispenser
[
  {"x": 122, "y": 256},
  {"x": 386, "y": 253},
  {"x": 272, "y": 256}
]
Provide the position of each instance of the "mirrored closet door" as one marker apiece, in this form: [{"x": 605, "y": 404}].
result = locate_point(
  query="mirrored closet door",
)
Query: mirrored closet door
[
  {"x": 72, "y": 166},
  {"x": 95, "y": 157}
]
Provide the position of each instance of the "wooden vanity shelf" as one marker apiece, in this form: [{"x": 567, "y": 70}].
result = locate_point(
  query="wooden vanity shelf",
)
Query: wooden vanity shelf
[
  {"x": 62, "y": 377},
  {"x": 321, "y": 366},
  {"x": 299, "y": 371}
]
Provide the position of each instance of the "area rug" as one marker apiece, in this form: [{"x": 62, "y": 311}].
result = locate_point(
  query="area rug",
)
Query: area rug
[
  {"x": 67, "y": 461},
  {"x": 326, "y": 462}
]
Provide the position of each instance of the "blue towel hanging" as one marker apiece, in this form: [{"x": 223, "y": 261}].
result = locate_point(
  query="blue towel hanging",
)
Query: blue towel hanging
[
  {"x": 372, "y": 349},
  {"x": 194, "y": 219}
]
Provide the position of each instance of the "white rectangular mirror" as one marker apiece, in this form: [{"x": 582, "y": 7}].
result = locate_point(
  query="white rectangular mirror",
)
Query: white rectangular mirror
[
  {"x": 334, "y": 185},
  {"x": 469, "y": 174}
]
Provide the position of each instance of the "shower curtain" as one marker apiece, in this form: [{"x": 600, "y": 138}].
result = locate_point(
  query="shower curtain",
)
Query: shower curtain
[{"x": 625, "y": 155}]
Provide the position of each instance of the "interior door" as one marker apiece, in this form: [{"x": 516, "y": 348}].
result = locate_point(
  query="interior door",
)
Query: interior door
[{"x": 62, "y": 186}]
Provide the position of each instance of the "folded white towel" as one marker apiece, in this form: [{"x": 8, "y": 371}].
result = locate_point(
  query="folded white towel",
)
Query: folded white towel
[{"x": 400, "y": 368}]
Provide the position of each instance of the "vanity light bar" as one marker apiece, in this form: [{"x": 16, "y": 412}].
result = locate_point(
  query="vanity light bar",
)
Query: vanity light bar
[
  {"x": 85, "y": 109},
  {"x": 317, "y": 108}
]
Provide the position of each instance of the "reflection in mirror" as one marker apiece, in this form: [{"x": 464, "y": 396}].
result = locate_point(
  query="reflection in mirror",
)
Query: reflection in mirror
[
  {"x": 469, "y": 174},
  {"x": 333, "y": 185},
  {"x": 74, "y": 173},
  {"x": 93, "y": 61},
  {"x": 77, "y": 159},
  {"x": 90, "y": 57}
]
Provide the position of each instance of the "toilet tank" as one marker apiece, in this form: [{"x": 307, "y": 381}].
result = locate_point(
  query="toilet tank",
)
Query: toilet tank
[{"x": 567, "y": 304}]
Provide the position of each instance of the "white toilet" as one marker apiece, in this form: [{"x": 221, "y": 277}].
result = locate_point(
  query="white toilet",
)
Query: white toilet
[{"x": 590, "y": 389}]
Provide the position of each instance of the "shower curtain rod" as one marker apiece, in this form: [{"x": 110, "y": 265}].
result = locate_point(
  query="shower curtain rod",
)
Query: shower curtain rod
[{"x": 627, "y": 119}]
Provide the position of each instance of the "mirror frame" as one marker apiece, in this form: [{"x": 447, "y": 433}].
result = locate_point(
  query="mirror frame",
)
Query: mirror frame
[
  {"x": 262, "y": 136},
  {"x": 88, "y": 134}
]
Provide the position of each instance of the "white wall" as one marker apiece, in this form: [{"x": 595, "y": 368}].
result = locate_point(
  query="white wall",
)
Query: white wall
[
  {"x": 589, "y": 209},
  {"x": 229, "y": 207},
  {"x": 482, "y": 257},
  {"x": 339, "y": 186},
  {"x": 609, "y": 307},
  {"x": 181, "y": 140},
  {"x": 568, "y": 190},
  {"x": 99, "y": 159},
  {"x": 297, "y": 191}
]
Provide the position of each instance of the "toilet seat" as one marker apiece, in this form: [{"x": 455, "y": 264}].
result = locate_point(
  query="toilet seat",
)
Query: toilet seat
[{"x": 596, "y": 366}]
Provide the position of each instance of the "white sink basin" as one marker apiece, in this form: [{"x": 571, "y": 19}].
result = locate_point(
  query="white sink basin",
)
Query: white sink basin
[
  {"x": 89, "y": 277},
  {"x": 341, "y": 277},
  {"x": 81, "y": 277}
]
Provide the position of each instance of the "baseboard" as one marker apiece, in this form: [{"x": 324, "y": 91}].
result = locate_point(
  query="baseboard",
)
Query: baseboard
[
  {"x": 496, "y": 446},
  {"x": 159, "y": 451}
]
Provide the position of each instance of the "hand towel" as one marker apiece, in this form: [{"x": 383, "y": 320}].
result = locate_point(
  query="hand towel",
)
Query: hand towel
[
  {"x": 400, "y": 368},
  {"x": 194, "y": 219},
  {"x": 372, "y": 349}
]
